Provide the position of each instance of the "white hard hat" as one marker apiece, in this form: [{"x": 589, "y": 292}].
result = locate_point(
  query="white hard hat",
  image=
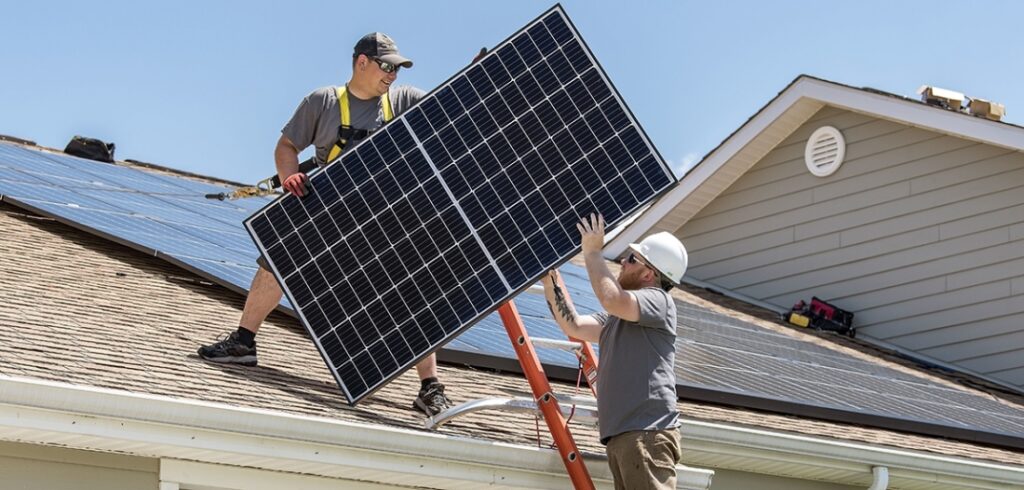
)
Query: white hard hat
[{"x": 665, "y": 253}]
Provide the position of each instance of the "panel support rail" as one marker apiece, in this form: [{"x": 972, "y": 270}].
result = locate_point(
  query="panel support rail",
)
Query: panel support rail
[{"x": 557, "y": 424}]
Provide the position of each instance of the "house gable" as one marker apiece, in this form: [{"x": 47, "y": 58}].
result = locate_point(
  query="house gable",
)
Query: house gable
[{"x": 919, "y": 232}]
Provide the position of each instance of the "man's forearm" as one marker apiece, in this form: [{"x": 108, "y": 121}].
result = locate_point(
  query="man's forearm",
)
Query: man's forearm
[
  {"x": 606, "y": 287},
  {"x": 286, "y": 159},
  {"x": 561, "y": 306}
]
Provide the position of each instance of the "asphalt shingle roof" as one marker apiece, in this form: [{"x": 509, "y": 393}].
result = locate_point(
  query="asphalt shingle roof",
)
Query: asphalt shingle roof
[{"x": 83, "y": 310}]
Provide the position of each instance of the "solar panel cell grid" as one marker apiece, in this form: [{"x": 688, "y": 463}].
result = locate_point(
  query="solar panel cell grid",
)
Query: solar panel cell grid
[{"x": 457, "y": 204}]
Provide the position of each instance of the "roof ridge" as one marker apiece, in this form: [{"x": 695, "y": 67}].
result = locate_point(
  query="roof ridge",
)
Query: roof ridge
[{"x": 128, "y": 162}]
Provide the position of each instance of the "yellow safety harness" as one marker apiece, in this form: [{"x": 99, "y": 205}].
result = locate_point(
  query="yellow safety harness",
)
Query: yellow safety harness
[
  {"x": 346, "y": 119},
  {"x": 267, "y": 186}
]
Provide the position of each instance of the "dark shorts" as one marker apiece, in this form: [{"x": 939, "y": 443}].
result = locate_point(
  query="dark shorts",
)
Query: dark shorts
[{"x": 262, "y": 262}]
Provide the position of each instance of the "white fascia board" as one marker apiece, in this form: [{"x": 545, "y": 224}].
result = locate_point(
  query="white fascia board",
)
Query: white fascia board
[
  {"x": 42, "y": 412},
  {"x": 703, "y": 171},
  {"x": 798, "y": 455},
  {"x": 51, "y": 413},
  {"x": 853, "y": 99},
  {"x": 913, "y": 113}
]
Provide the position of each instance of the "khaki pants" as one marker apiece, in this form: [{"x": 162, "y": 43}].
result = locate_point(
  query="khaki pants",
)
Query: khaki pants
[{"x": 644, "y": 459}]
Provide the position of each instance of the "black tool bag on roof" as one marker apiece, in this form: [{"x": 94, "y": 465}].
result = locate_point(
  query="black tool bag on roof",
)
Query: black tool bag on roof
[{"x": 90, "y": 148}]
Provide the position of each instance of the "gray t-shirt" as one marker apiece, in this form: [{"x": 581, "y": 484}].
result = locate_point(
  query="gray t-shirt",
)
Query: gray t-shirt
[
  {"x": 318, "y": 118},
  {"x": 636, "y": 378}
]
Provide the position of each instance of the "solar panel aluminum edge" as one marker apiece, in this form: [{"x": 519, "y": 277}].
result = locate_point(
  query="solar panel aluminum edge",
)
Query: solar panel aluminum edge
[{"x": 458, "y": 204}]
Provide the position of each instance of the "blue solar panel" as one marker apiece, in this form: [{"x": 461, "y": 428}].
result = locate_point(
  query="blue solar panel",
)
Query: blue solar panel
[
  {"x": 31, "y": 191},
  {"x": 157, "y": 214},
  {"x": 227, "y": 273},
  {"x": 13, "y": 175},
  {"x": 729, "y": 355},
  {"x": 452, "y": 208}
]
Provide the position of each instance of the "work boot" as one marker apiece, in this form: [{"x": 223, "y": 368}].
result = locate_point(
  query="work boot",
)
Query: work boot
[
  {"x": 431, "y": 400},
  {"x": 229, "y": 350}
]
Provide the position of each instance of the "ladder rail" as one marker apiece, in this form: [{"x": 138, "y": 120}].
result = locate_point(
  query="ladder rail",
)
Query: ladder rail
[
  {"x": 584, "y": 350},
  {"x": 545, "y": 399}
]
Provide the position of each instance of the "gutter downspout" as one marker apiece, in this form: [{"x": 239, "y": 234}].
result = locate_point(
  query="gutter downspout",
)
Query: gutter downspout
[{"x": 881, "y": 478}]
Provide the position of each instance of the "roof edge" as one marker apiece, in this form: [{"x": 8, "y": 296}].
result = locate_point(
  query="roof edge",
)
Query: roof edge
[
  {"x": 46, "y": 412},
  {"x": 128, "y": 162},
  {"x": 870, "y": 101},
  {"x": 807, "y": 456},
  {"x": 85, "y": 417}
]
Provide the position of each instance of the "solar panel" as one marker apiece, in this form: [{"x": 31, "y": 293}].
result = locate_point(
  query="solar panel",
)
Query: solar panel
[
  {"x": 452, "y": 208},
  {"x": 726, "y": 354},
  {"x": 157, "y": 214}
]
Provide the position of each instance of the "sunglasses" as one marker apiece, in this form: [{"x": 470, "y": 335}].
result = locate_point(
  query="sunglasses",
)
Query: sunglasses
[
  {"x": 386, "y": 67},
  {"x": 633, "y": 260}
]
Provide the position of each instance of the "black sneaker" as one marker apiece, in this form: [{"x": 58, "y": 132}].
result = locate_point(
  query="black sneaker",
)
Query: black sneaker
[
  {"x": 431, "y": 400},
  {"x": 229, "y": 351}
]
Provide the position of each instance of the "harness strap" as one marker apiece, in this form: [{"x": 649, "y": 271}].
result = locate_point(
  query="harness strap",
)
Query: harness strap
[{"x": 346, "y": 120}]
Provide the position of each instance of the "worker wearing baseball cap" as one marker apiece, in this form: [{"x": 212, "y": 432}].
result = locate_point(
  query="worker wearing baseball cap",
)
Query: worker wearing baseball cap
[{"x": 332, "y": 119}]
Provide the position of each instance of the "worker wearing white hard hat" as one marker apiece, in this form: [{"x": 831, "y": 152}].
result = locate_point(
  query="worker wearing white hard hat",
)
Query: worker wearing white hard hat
[{"x": 636, "y": 399}]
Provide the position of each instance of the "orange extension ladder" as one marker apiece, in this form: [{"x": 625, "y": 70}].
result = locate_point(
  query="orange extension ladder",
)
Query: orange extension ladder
[
  {"x": 557, "y": 423},
  {"x": 544, "y": 399}
]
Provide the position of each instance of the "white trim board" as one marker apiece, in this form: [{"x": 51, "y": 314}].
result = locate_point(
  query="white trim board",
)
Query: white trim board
[
  {"x": 98, "y": 419},
  {"x": 50, "y": 413},
  {"x": 779, "y": 118}
]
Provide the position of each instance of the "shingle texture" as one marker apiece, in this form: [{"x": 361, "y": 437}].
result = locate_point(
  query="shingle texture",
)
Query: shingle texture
[{"x": 83, "y": 310}]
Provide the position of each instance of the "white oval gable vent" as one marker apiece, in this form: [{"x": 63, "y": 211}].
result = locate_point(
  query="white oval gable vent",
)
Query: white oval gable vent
[{"x": 825, "y": 151}]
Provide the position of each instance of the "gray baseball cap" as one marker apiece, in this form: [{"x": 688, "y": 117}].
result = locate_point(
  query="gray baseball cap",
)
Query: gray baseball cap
[{"x": 381, "y": 46}]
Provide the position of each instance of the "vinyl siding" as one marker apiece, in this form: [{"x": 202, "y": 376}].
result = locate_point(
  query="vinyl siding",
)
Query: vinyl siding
[
  {"x": 26, "y": 466},
  {"x": 920, "y": 234},
  {"x": 728, "y": 479}
]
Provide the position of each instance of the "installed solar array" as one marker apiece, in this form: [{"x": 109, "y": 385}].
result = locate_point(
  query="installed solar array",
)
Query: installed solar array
[
  {"x": 455, "y": 206},
  {"x": 161, "y": 215},
  {"x": 720, "y": 358},
  {"x": 730, "y": 356}
]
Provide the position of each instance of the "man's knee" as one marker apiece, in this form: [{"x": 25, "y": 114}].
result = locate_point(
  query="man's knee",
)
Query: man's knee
[{"x": 430, "y": 360}]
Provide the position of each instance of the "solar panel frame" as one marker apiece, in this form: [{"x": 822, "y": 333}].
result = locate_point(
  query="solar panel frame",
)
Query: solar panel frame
[{"x": 434, "y": 140}]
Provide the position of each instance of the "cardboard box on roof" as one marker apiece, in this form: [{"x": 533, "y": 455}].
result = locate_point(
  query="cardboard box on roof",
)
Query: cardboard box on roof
[
  {"x": 950, "y": 99},
  {"x": 987, "y": 109}
]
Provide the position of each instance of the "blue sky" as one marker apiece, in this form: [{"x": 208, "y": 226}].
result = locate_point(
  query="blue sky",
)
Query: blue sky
[{"x": 206, "y": 86}]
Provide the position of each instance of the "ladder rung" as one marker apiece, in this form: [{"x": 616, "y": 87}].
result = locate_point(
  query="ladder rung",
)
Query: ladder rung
[
  {"x": 585, "y": 412},
  {"x": 566, "y": 345}
]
